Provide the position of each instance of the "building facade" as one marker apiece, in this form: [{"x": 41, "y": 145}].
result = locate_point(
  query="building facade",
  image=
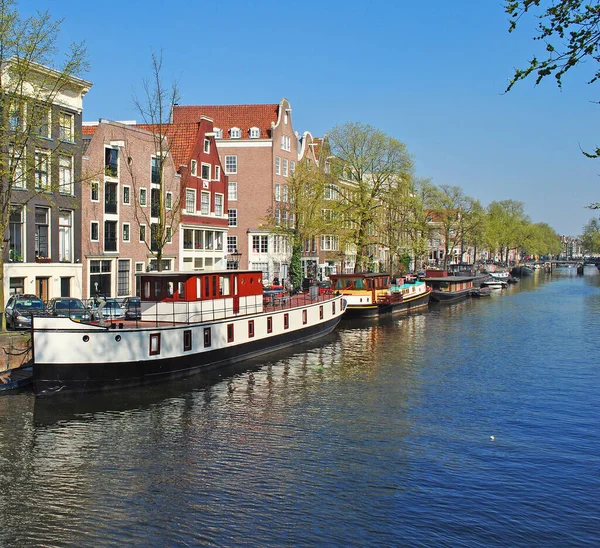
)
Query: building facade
[
  {"x": 258, "y": 149},
  {"x": 42, "y": 157},
  {"x": 124, "y": 178}
]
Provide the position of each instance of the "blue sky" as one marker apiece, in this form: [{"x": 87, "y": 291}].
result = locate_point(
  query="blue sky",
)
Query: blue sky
[{"x": 426, "y": 73}]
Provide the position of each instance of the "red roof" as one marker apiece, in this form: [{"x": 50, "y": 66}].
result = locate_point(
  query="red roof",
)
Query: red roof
[
  {"x": 181, "y": 139},
  {"x": 89, "y": 130},
  {"x": 226, "y": 117}
]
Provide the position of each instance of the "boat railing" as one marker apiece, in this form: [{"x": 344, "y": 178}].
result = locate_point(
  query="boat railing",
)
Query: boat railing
[{"x": 189, "y": 312}]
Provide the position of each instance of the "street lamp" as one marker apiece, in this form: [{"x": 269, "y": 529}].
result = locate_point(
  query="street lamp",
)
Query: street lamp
[{"x": 235, "y": 259}]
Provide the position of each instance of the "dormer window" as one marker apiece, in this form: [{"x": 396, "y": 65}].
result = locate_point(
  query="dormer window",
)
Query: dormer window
[
  {"x": 235, "y": 133},
  {"x": 218, "y": 133},
  {"x": 254, "y": 133}
]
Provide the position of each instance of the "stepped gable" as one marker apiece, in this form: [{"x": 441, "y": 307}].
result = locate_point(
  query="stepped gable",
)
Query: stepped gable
[{"x": 226, "y": 117}]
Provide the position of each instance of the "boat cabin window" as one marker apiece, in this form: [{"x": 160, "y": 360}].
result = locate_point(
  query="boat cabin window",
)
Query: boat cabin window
[
  {"x": 169, "y": 289},
  {"x": 269, "y": 324},
  {"x": 207, "y": 337},
  {"x": 230, "y": 332},
  {"x": 206, "y": 287},
  {"x": 157, "y": 292},
  {"x": 154, "y": 344},
  {"x": 224, "y": 285},
  {"x": 147, "y": 290},
  {"x": 187, "y": 340},
  {"x": 181, "y": 290},
  {"x": 350, "y": 283}
]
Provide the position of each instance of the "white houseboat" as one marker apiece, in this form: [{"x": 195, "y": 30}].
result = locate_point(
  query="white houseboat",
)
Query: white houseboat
[{"x": 190, "y": 322}]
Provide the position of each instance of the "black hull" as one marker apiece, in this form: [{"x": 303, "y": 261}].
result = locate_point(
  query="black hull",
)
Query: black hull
[
  {"x": 521, "y": 271},
  {"x": 72, "y": 378},
  {"x": 448, "y": 297},
  {"x": 386, "y": 309}
]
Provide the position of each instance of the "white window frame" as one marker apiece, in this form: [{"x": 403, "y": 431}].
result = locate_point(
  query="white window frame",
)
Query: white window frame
[
  {"x": 277, "y": 165},
  {"x": 97, "y": 223},
  {"x": 235, "y": 133},
  {"x": 254, "y": 132},
  {"x": 97, "y": 185},
  {"x": 285, "y": 167},
  {"x": 217, "y": 173},
  {"x": 190, "y": 192},
  {"x": 292, "y": 167},
  {"x": 65, "y": 237},
  {"x": 70, "y": 138},
  {"x": 169, "y": 200},
  {"x": 42, "y": 185},
  {"x": 203, "y": 194},
  {"x": 142, "y": 240},
  {"x": 232, "y": 191},
  {"x": 144, "y": 192},
  {"x": 169, "y": 234},
  {"x": 128, "y": 225},
  {"x": 219, "y": 206},
  {"x": 129, "y": 201},
  {"x": 286, "y": 143},
  {"x": 205, "y": 166},
  {"x": 66, "y": 188},
  {"x": 207, "y": 145},
  {"x": 194, "y": 167},
  {"x": 218, "y": 133},
  {"x": 16, "y": 167},
  {"x": 277, "y": 192},
  {"x": 229, "y": 162},
  {"x": 232, "y": 212}
]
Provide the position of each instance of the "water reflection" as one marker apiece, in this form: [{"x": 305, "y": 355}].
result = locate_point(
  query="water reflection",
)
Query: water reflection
[{"x": 364, "y": 439}]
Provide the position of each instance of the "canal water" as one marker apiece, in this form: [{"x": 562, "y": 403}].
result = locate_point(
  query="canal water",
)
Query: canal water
[{"x": 474, "y": 424}]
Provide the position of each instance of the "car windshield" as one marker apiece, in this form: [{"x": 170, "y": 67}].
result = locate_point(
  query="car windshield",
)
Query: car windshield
[
  {"x": 30, "y": 304},
  {"x": 71, "y": 304}
]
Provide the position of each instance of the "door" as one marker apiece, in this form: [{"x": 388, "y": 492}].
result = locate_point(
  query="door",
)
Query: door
[
  {"x": 65, "y": 287},
  {"x": 41, "y": 288}
]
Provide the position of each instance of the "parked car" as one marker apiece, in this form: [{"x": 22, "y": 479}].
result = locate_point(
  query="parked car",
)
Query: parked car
[
  {"x": 70, "y": 308},
  {"x": 110, "y": 311},
  {"x": 21, "y": 308},
  {"x": 133, "y": 308}
]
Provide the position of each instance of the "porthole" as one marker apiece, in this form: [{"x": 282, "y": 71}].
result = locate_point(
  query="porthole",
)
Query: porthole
[
  {"x": 118, "y": 338},
  {"x": 86, "y": 338}
]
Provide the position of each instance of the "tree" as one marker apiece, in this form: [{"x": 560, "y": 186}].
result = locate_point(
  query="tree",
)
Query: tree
[
  {"x": 454, "y": 215},
  {"x": 28, "y": 89},
  {"x": 155, "y": 109},
  {"x": 369, "y": 165},
  {"x": 570, "y": 30},
  {"x": 504, "y": 227},
  {"x": 540, "y": 239},
  {"x": 591, "y": 237},
  {"x": 305, "y": 215}
]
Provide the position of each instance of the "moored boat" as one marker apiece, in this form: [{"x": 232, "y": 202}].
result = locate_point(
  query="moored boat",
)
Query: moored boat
[
  {"x": 191, "y": 322},
  {"x": 494, "y": 283},
  {"x": 521, "y": 271},
  {"x": 448, "y": 289},
  {"x": 369, "y": 294}
]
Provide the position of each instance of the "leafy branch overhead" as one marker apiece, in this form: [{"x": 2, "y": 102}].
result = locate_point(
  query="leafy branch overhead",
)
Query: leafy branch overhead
[{"x": 570, "y": 30}]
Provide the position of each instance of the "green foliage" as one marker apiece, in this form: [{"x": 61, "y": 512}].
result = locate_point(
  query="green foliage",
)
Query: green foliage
[
  {"x": 374, "y": 171},
  {"x": 569, "y": 29},
  {"x": 296, "y": 267},
  {"x": 454, "y": 216},
  {"x": 591, "y": 237},
  {"x": 31, "y": 77}
]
